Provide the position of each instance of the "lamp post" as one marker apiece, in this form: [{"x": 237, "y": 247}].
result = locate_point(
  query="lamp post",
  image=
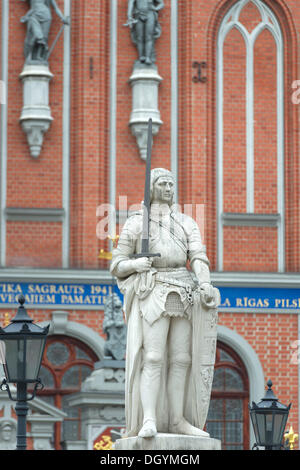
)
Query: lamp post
[
  {"x": 22, "y": 345},
  {"x": 269, "y": 419}
]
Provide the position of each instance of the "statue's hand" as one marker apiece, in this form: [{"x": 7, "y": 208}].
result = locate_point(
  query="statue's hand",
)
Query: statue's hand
[
  {"x": 207, "y": 292},
  {"x": 66, "y": 20},
  {"x": 24, "y": 19},
  {"x": 142, "y": 265},
  {"x": 130, "y": 21}
]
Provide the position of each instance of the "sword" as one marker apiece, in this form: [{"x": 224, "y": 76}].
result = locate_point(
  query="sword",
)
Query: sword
[
  {"x": 55, "y": 40},
  {"x": 147, "y": 203}
]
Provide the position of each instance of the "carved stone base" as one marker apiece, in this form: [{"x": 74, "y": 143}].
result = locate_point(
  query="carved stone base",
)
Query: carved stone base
[
  {"x": 144, "y": 81},
  {"x": 168, "y": 442},
  {"x": 36, "y": 113}
]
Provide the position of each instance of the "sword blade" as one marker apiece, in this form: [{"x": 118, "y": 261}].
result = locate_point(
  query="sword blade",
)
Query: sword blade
[
  {"x": 146, "y": 205},
  {"x": 55, "y": 41},
  {"x": 147, "y": 202}
]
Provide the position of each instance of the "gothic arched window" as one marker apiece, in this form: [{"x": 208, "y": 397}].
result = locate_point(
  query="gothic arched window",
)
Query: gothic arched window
[
  {"x": 228, "y": 416},
  {"x": 67, "y": 362},
  {"x": 250, "y": 139}
]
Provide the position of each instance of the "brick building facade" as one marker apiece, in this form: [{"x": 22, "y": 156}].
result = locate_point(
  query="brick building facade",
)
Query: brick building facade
[{"x": 232, "y": 141}]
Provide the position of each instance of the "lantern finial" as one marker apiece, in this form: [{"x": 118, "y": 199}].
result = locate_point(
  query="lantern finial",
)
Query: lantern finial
[{"x": 21, "y": 299}]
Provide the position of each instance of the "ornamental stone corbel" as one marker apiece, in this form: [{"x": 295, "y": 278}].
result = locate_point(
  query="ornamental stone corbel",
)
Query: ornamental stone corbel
[
  {"x": 144, "y": 82},
  {"x": 36, "y": 113}
]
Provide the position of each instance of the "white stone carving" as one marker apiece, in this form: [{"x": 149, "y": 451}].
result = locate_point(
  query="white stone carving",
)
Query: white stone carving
[
  {"x": 103, "y": 379},
  {"x": 8, "y": 434},
  {"x": 112, "y": 414}
]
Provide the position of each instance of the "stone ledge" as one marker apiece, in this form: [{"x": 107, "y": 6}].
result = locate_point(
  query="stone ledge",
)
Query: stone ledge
[{"x": 168, "y": 442}]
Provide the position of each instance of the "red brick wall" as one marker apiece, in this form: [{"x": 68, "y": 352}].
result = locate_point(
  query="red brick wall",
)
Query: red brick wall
[
  {"x": 35, "y": 244},
  {"x": 89, "y": 127},
  {"x": 265, "y": 129},
  {"x": 38, "y": 183},
  {"x": 33, "y": 182},
  {"x": 250, "y": 249},
  {"x": 235, "y": 144}
]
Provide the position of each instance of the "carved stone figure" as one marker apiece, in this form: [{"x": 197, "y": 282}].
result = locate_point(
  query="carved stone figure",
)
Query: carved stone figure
[
  {"x": 144, "y": 26},
  {"x": 115, "y": 328},
  {"x": 8, "y": 433},
  {"x": 171, "y": 319},
  {"x": 39, "y": 19}
]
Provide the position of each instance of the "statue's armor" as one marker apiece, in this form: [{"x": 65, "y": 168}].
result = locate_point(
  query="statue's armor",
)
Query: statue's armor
[{"x": 177, "y": 238}]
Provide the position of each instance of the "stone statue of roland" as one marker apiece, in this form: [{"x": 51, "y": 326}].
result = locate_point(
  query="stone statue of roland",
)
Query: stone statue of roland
[{"x": 171, "y": 314}]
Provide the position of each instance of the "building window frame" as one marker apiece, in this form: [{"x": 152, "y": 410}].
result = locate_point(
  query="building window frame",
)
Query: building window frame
[
  {"x": 270, "y": 22},
  {"x": 58, "y": 371},
  {"x": 235, "y": 364}
]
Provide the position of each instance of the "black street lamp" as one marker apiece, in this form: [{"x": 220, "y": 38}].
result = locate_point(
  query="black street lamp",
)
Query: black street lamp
[
  {"x": 269, "y": 419},
  {"x": 22, "y": 345}
]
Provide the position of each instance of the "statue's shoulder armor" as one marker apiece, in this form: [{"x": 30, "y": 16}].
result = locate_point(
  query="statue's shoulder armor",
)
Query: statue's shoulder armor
[
  {"x": 183, "y": 219},
  {"x": 134, "y": 222},
  {"x": 135, "y": 213}
]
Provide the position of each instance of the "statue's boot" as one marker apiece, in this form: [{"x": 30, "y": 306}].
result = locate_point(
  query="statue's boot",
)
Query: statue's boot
[
  {"x": 140, "y": 47},
  {"x": 150, "y": 385},
  {"x": 176, "y": 390},
  {"x": 148, "y": 51},
  {"x": 184, "y": 427},
  {"x": 148, "y": 429}
]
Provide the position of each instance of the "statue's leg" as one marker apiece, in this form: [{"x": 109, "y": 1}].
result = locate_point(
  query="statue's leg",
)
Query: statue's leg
[
  {"x": 149, "y": 37},
  {"x": 139, "y": 30},
  {"x": 154, "y": 344},
  {"x": 45, "y": 28},
  {"x": 180, "y": 343}
]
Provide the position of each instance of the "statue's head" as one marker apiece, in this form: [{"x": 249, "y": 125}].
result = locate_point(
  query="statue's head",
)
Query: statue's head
[
  {"x": 7, "y": 430},
  {"x": 162, "y": 186},
  {"x": 113, "y": 312}
]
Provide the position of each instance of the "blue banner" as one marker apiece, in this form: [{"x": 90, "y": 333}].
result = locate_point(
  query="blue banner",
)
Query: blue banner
[
  {"x": 259, "y": 298},
  {"x": 93, "y": 296},
  {"x": 48, "y": 295}
]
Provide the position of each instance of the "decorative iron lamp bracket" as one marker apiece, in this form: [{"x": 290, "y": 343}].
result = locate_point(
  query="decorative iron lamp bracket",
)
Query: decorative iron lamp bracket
[{"x": 4, "y": 387}]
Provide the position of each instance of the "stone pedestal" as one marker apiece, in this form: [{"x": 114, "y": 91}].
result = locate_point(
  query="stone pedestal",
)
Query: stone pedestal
[
  {"x": 144, "y": 81},
  {"x": 36, "y": 113},
  {"x": 168, "y": 442}
]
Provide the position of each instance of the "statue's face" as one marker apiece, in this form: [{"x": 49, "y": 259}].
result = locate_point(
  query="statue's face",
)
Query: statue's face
[
  {"x": 163, "y": 190},
  {"x": 117, "y": 301},
  {"x": 6, "y": 433}
]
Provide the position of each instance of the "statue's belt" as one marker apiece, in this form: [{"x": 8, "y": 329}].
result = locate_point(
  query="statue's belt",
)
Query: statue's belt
[{"x": 175, "y": 282}]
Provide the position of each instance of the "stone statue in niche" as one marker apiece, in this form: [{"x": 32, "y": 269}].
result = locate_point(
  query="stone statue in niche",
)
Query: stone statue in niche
[
  {"x": 115, "y": 328},
  {"x": 36, "y": 116},
  {"x": 171, "y": 319},
  {"x": 38, "y": 20},
  {"x": 144, "y": 26}
]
